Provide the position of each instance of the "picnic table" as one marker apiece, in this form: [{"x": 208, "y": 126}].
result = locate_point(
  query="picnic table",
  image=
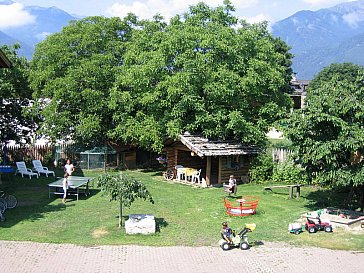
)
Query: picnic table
[
  {"x": 291, "y": 189},
  {"x": 76, "y": 186},
  {"x": 185, "y": 172}
]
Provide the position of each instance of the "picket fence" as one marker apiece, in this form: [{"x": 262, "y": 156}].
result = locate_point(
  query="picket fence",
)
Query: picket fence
[{"x": 280, "y": 154}]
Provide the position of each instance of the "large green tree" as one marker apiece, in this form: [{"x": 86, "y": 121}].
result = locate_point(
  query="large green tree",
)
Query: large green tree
[
  {"x": 329, "y": 130},
  {"x": 203, "y": 73},
  {"x": 72, "y": 73},
  {"x": 16, "y": 96},
  {"x": 144, "y": 81}
]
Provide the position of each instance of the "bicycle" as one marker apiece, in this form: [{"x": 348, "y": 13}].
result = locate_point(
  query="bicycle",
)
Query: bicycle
[{"x": 7, "y": 201}]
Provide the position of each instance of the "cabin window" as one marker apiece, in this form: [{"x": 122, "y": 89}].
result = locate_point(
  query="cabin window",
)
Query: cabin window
[{"x": 234, "y": 162}]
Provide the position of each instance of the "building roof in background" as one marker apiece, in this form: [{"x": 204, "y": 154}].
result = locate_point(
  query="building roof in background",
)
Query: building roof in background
[
  {"x": 205, "y": 147},
  {"x": 4, "y": 61}
]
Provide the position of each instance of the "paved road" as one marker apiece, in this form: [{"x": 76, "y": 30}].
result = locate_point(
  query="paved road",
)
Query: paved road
[{"x": 271, "y": 257}]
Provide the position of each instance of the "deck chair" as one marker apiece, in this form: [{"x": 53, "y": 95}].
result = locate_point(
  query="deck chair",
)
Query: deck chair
[
  {"x": 23, "y": 170},
  {"x": 38, "y": 167}
]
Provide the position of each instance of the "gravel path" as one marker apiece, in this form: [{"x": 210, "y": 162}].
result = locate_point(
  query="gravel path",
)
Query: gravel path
[{"x": 270, "y": 257}]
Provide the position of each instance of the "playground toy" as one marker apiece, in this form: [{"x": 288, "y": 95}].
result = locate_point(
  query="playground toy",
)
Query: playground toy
[
  {"x": 312, "y": 227},
  {"x": 238, "y": 240}
]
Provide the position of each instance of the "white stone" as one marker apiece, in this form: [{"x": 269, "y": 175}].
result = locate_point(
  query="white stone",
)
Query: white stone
[{"x": 140, "y": 224}]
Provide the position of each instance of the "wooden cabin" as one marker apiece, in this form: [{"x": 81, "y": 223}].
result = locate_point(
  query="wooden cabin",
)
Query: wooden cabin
[{"x": 216, "y": 159}]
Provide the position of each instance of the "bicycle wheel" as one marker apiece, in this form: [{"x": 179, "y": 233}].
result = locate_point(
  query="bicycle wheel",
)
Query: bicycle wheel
[
  {"x": 3, "y": 205},
  {"x": 11, "y": 201},
  {"x": 169, "y": 174}
]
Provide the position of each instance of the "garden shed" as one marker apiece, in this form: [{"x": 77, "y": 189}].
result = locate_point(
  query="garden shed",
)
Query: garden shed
[{"x": 217, "y": 159}]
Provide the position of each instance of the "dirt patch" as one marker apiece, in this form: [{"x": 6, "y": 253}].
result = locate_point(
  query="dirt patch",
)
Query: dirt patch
[{"x": 100, "y": 232}]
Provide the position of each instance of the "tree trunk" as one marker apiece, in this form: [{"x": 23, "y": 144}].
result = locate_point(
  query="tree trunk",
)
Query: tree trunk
[
  {"x": 361, "y": 197},
  {"x": 359, "y": 193},
  {"x": 105, "y": 156},
  {"x": 121, "y": 214},
  {"x": 349, "y": 198}
]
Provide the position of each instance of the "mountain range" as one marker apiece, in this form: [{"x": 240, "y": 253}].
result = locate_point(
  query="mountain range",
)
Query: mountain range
[
  {"x": 326, "y": 36},
  {"x": 47, "y": 21},
  {"x": 317, "y": 38}
]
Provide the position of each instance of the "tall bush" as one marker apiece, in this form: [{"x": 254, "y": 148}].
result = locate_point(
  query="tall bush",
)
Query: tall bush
[
  {"x": 262, "y": 168},
  {"x": 288, "y": 173}
]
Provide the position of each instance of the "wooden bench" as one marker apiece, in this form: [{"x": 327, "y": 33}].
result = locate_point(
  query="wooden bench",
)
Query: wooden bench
[
  {"x": 291, "y": 189},
  {"x": 243, "y": 206}
]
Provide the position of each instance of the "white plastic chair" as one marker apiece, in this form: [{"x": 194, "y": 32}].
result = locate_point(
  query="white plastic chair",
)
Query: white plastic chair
[
  {"x": 179, "y": 175},
  {"x": 23, "y": 170},
  {"x": 196, "y": 177},
  {"x": 38, "y": 167}
]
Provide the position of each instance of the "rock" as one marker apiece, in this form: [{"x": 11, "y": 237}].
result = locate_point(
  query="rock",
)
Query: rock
[{"x": 140, "y": 224}]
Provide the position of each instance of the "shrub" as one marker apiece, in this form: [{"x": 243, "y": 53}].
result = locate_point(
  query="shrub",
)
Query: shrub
[
  {"x": 288, "y": 173},
  {"x": 261, "y": 169}
]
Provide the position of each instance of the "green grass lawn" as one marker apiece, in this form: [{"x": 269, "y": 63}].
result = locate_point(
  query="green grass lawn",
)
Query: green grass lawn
[{"x": 184, "y": 215}]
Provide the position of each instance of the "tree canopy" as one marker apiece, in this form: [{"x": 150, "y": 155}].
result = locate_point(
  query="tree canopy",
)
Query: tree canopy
[
  {"x": 328, "y": 132},
  {"x": 16, "y": 96},
  {"x": 144, "y": 81},
  {"x": 72, "y": 73}
]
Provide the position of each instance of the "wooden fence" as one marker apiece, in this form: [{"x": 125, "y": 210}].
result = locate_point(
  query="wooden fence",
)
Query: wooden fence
[
  {"x": 28, "y": 153},
  {"x": 52, "y": 155},
  {"x": 48, "y": 154},
  {"x": 280, "y": 154}
]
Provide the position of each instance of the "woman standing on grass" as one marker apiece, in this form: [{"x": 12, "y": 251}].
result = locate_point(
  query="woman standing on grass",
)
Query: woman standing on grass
[{"x": 69, "y": 168}]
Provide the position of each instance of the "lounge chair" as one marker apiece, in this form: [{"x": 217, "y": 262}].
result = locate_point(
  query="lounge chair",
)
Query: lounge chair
[
  {"x": 38, "y": 167},
  {"x": 23, "y": 170}
]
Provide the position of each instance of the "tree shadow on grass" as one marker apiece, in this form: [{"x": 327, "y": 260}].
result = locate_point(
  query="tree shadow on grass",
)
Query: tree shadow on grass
[
  {"x": 323, "y": 198},
  {"x": 160, "y": 223},
  {"x": 31, "y": 213},
  {"x": 154, "y": 171},
  {"x": 34, "y": 202}
]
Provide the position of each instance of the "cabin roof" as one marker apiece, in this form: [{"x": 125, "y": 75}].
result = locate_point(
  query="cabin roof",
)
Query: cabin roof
[
  {"x": 4, "y": 61},
  {"x": 205, "y": 147}
]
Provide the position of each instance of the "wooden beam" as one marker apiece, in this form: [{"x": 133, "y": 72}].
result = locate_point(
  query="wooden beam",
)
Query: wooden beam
[
  {"x": 208, "y": 170},
  {"x": 175, "y": 157},
  {"x": 219, "y": 181}
]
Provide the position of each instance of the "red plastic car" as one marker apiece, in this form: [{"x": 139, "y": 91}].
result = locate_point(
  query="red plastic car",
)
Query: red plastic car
[{"x": 312, "y": 226}]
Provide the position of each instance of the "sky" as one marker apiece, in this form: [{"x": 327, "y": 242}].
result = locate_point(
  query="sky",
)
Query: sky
[{"x": 251, "y": 10}]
